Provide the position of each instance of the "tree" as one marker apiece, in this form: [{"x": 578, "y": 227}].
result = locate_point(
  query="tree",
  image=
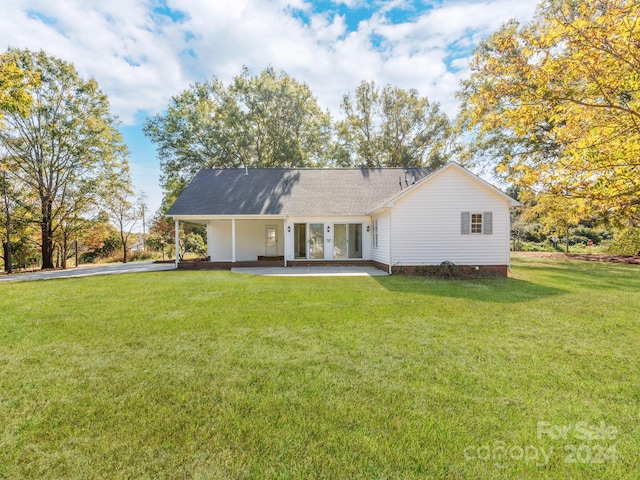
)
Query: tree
[
  {"x": 393, "y": 127},
  {"x": 8, "y": 196},
  {"x": 98, "y": 239},
  {"x": 161, "y": 234},
  {"x": 124, "y": 210},
  {"x": 66, "y": 147},
  {"x": 15, "y": 87},
  {"x": 557, "y": 103},
  {"x": 269, "y": 120},
  {"x": 556, "y": 214}
]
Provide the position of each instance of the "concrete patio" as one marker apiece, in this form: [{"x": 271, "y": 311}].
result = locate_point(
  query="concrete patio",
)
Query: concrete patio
[{"x": 338, "y": 271}]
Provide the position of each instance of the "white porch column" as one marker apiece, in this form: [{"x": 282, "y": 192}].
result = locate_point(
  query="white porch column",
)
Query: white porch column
[
  {"x": 177, "y": 242},
  {"x": 233, "y": 240},
  {"x": 284, "y": 236}
]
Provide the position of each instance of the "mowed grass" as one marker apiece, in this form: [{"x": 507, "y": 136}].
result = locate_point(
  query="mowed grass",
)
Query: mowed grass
[{"x": 218, "y": 375}]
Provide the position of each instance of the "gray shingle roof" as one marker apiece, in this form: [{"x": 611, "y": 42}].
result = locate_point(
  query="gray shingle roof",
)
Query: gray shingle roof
[{"x": 309, "y": 192}]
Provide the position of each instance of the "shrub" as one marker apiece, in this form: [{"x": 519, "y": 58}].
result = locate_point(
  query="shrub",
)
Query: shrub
[{"x": 626, "y": 242}]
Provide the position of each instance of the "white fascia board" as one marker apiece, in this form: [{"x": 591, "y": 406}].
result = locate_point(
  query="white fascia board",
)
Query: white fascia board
[{"x": 195, "y": 218}]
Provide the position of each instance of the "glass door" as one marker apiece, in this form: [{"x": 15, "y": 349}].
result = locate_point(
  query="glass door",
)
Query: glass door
[
  {"x": 355, "y": 240},
  {"x": 339, "y": 241},
  {"x": 300, "y": 240},
  {"x": 271, "y": 248},
  {"x": 316, "y": 240}
]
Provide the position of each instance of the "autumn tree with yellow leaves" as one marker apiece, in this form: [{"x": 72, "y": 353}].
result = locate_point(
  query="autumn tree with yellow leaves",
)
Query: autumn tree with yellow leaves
[{"x": 557, "y": 103}]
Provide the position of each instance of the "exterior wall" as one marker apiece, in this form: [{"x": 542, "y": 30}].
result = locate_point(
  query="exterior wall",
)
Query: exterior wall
[
  {"x": 219, "y": 240},
  {"x": 426, "y": 224},
  {"x": 328, "y": 235},
  {"x": 381, "y": 253},
  {"x": 251, "y": 238}
]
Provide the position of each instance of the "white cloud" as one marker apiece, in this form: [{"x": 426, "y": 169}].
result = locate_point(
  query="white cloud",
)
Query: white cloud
[
  {"x": 140, "y": 61},
  {"x": 141, "y": 58}
]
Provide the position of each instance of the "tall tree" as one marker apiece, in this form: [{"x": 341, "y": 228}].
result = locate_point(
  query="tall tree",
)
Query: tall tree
[
  {"x": 557, "y": 102},
  {"x": 68, "y": 139},
  {"x": 124, "y": 210},
  {"x": 15, "y": 87},
  {"x": 269, "y": 120},
  {"x": 393, "y": 127}
]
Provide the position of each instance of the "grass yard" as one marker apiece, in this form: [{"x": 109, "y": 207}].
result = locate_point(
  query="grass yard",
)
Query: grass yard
[{"x": 217, "y": 375}]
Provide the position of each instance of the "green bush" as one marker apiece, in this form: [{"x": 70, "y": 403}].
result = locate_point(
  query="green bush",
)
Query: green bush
[{"x": 626, "y": 242}]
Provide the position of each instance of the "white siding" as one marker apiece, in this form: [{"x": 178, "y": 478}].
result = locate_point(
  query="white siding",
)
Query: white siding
[
  {"x": 426, "y": 223},
  {"x": 219, "y": 240},
  {"x": 381, "y": 253},
  {"x": 251, "y": 238}
]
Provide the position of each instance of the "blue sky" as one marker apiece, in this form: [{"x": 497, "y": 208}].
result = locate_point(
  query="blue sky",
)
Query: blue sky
[{"x": 142, "y": 52}]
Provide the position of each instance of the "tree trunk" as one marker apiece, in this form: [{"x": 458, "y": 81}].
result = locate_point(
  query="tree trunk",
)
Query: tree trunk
[
  {"x": 7, "y": 257},
  {"x": 124, "y": 249},
  {"x": 64, "y": 248},
  {"x": 566, "y": 238},
  {"x": 8, "y": 266},
  {"x": 47, "y": 234}
]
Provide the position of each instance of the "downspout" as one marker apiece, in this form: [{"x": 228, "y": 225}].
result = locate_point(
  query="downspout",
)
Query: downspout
[{"x": 177, "y": 242}]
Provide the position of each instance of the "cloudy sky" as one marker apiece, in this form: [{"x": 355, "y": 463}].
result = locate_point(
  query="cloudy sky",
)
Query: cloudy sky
[{"x": 142, "y": 52}]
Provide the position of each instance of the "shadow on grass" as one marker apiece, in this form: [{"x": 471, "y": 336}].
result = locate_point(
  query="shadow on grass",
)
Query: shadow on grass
[
  {"x": 583, "y": 274},
  {"x": 493, "y": 290}
]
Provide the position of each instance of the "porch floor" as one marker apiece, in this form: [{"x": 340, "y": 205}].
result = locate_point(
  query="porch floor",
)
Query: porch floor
[{"x": 318, "y": 271}]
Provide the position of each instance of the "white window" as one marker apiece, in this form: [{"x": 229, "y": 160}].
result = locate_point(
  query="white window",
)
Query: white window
[{"x": 476, "y": 223}]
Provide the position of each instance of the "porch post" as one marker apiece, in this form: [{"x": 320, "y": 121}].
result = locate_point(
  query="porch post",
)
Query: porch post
[
  {"x": 177, "y": 242},
  {"x": 233, "y": 240},
  {"x": 284, "y": 236}
]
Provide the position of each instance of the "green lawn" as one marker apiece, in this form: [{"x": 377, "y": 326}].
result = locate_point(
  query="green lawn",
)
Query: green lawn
[{"x": 217, "y": 375}]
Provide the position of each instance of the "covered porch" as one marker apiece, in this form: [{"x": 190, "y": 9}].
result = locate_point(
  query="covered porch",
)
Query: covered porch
[
  {"x": 238, "y": 242},
  {"x": 281, "y": 241}
]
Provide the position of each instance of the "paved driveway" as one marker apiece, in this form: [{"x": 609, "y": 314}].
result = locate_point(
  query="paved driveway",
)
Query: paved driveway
[{"x": 85, "y": 271}]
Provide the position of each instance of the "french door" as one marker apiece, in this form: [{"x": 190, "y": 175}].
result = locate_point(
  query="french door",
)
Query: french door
[
  {"x": 316, "y": 241},
  {"x": 347, "y": 240},
  {"x": 309, "y": 241}
]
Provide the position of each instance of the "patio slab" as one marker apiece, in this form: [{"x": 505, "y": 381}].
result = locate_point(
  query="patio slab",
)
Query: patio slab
[{"x": 312, "y": 271}]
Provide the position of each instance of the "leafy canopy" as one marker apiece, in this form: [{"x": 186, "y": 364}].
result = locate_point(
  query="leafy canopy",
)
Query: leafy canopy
[
  {"x": 15, "y": 86},
  {"x": 557, "y": 102},
  {"x": 66, "y": 151},
  {"x": 269, "y": 120},
  {"x": 392, "y": 127}
]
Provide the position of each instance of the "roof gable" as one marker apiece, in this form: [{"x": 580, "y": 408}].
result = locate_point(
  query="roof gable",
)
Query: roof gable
[{"x": 427, "y": 178}]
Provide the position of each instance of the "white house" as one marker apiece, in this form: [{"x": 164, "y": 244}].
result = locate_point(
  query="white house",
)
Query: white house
[{"x": 398, "y": 219}]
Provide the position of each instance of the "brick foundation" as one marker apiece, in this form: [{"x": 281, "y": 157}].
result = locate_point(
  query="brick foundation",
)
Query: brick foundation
[
  {"x": 382, "y": 266},
  {"x": 454, "y": 271},
  {"x": 204, "y": 265}
]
